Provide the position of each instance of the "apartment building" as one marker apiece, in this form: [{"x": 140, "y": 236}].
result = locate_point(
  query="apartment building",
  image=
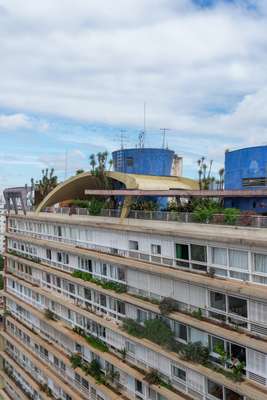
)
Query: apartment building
[{"x": 100, "y": 308}]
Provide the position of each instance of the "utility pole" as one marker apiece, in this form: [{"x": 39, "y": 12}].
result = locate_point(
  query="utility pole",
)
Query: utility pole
[{"x": 164, "y": 130}]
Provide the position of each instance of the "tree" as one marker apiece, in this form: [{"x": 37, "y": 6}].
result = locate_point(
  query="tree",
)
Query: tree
[
  {"x": 221, "y": 179},
  {"x": 44, "y": 185},
  {"x": 79, "y": 171},
  {"x": 204, "y": 173}
]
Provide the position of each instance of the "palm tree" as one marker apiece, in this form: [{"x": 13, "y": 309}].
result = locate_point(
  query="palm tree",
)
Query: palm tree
[
  {"x": 221, "y": 178},
  {"x": 92, "y": 162}
]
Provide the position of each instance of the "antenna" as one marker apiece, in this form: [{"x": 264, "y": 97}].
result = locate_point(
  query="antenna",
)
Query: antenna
[
  {"x": 164, "y": 130},
  {"x": 122, "y": 138},
  {"x": 144, "y": 120},
  {"x": 141, "y": 138}
]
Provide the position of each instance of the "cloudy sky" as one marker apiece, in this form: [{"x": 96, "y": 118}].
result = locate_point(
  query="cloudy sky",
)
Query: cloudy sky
[{"x": 73, "y": 74}]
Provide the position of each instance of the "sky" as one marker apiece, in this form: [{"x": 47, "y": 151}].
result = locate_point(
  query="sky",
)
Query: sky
[{"x": 73, "y": 75}]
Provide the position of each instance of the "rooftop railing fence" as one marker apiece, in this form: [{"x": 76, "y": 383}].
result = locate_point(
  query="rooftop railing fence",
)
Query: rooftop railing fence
[{"x": 256, "y": 221}]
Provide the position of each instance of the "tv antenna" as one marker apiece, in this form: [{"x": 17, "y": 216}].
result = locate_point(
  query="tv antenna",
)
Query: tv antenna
[
  {"x": 141, "y": 138},
  {"x": 122, "y": 138},
  {"x": 164, "y": 130}
]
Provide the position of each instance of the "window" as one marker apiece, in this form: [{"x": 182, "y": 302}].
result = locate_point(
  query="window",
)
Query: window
[
  {"x": 178, "y": 373},
  {"x": 215, "y": 390},
  {"x": 182, "y": 251},
  {"x": 237, "y": 306},
  {"x": 219, "y": 256},
  {"x": 87, "y": 293},
  {"x": 218, "y": 301},
  {"x": 260, "y": 263},
  {"x": 48, "y": 254},
  {"x": 198, "y": 253},
  {"x": 155, "y": 249},
  {"x": 230, "y": 395},
  {"x": 103, "y": 300},
  {"x": 104, "y": 269},
  {"x": 130, "y": 347},
  {"x": 180, "y": 331},
  {"x": 121, "y": 307},
  {"x": 138, "y": 386},
  {"x": 216, "y": 344},
  {"x": 129, "y": 161},
  {"x": 141, "y": 315},
  {"x": 247, "y": 182},
  {"x": 121, "y": 274},
  {"x": 133, "y": 245},
  {"x": 238, "y": 259}
]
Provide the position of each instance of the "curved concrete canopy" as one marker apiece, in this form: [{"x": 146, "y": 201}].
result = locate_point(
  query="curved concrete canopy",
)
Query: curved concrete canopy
[{"x": 74, "y": 187}]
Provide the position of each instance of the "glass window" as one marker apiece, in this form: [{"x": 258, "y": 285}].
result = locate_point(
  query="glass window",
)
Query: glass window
[
  {"x": 121, "y": 274},
  {"x": 180, "y": 331},
  {"x": 182, "y": 251},
  {"x": 218, "y": 301},
  {"x": 138, "y": 386},
  {"x": 104, "y": 269},
  {"x": 230, "y": 395},
  {"x": 238, "y": 353},
  {"x": 141, "y": 315},
  {"x": 215, "y": 390},
  {"x": 198, "y": 253},
  {"x": 237, "y": 306},
  {"x": 178, "y": 373},
  {"x": 238, "y": 259},
  {"x": 129, "y": 161},
  {"x": 130, "y": 347},
  {"x": 133, "y": 245},
  {"x": 219, "y": 256},
  {"x": 217, "y": 345},
  {"x": 48, "y": 254},
  {"x": 121, "y": 307},
  {"x": 155, "y": 249},
  {"x": 103, "y": 300},
  {"x": 260, "y": 263}
]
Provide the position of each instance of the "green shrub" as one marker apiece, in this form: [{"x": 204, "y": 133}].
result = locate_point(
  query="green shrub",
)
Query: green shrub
[
  {"x": 133, "y": 328},
  {"x": 116, "y": 286},
  {"x": 49, "y": 314},
  {"x": 95, "y": 369},
  {"x": 158, "y": 332},
  {"x": 231, "y": 215},
  {"x": 153, "y": 377},
  {"x": 197, "y": 313},
  {"x": 195, "y": 352},
  {"x": 76, "y": 361},
  {"x": 168, "y": 305},
  {"x": 96, "y": 343}
]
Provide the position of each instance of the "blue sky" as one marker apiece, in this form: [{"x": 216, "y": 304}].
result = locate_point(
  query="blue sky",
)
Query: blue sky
[{"x": 73, "y": 78}]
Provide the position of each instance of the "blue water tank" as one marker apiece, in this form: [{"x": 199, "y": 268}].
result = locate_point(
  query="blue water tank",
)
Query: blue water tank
[
  {"x": 246, "y": 169},
  {"x": 143, "y": 161}
]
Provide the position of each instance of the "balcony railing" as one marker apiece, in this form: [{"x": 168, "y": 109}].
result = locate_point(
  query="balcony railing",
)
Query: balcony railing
[{"x": 258, "y": 221}]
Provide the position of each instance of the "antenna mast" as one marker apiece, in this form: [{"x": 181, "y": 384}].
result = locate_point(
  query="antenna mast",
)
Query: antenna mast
[
  {"x": 122, "y": 137},
  {"x": 164, "y": 130}
]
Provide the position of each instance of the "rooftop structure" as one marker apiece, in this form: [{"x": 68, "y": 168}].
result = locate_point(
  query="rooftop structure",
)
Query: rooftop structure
[
  {"x": 246, "y": 169},
  {"x": 125, "y": 308},
  {"x": 147, "y": 161}
]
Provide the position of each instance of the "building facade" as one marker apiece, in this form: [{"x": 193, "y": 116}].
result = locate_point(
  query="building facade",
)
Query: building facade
[{"x": 101, "y": 309}]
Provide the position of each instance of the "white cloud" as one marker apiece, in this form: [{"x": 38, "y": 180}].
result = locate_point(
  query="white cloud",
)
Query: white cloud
[
  {"x": 14, "y": 121},
  {"x": 202, "y": 72}
]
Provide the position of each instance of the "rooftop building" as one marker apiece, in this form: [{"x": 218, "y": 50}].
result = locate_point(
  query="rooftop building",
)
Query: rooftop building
[{"x": 246, "y": 169}]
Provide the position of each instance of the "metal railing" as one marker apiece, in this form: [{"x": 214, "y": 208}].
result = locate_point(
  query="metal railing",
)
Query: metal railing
[{"x": 247, "y": 220}]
